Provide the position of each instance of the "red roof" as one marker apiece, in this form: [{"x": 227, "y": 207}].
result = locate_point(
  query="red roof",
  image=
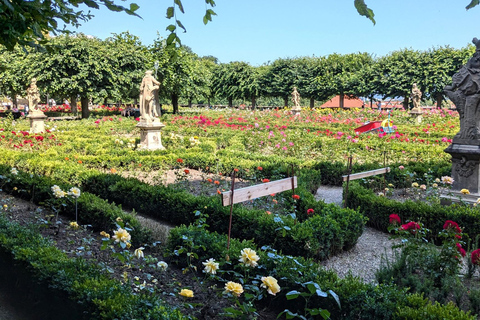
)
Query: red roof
[{"x": 347, "y": 103}]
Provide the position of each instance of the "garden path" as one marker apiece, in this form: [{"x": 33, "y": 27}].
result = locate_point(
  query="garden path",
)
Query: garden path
[{"x": 364, "y": 259}]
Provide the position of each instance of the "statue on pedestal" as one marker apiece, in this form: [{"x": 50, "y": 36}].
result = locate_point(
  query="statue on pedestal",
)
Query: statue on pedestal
[
  {"x": 416, "y": 96},
  {"x": 465, "y": 94},
  {"x": 295, "y": 98},
  {"x": 296, "y": 102},
  {"x": 465, "y": 148},
  {"x": 149, "y": 105},
  {"x": 33, "y": 96}
]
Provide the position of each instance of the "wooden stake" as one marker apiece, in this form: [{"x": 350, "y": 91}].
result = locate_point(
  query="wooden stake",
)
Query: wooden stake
[
  {"x": 349, "y": 171},
  {"x": 231, "y": 209}
]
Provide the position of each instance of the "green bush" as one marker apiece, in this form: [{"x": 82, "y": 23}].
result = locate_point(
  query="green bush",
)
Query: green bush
[
  {"x": 93, "y": 294},
  {"x": 420, "y": 308}
]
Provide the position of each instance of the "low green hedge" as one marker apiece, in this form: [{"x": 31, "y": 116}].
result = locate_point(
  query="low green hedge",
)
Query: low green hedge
[
  {"x": 92, "y": 294},
  {"x": 358, "y": 300},
  {"x": 91, "y": 209},
  {"x": 327, "y": 232},
  {"x": 378, "y": 209}
]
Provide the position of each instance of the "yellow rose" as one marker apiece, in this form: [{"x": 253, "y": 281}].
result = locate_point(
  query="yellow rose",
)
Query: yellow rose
[
  {"x": 249, "y": 257},
  {"x": 233, "y": 287},
  {"x": 186, "y": 293},
  {"x": 465, "y": 191},
  {"x": 121, "y": 235},
  {"x": 210, "y": 266},
  {"x": 105, "y": 235},
  {"x": 271, "y": 284},
  {"x": 74, "y": 225}
]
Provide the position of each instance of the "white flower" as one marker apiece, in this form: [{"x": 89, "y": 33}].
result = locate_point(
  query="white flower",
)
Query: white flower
[
  {"x": 57, "y": 192},
  {"x": 139, "y": 252},
  {"x": 74, "y": 192},
  {"x": 210, "y": 266},
  {"x": 162, "y": 265},
  {"x": 14, "y": 171}
]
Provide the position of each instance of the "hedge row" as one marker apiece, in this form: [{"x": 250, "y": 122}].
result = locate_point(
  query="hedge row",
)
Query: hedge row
[
  {"x": 378, "y": 210},
  {"x": 358, "y": 300},
  {"x": 327, "y": 232},
  {"x": 80, "y": 289},
  {"x": 92, "y": 210}
]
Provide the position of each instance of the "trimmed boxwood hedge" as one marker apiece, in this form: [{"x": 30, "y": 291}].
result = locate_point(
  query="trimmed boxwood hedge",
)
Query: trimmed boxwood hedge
[
  {"x": 88, "y": 292},
  {"x": 329, "y": 231},
  {"x": 358, "y": 300},
  {"x": 378, "y": 210}
]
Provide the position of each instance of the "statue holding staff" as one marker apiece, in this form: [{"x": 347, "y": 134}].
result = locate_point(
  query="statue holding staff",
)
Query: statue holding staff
[{"x": 149, "y": 97}]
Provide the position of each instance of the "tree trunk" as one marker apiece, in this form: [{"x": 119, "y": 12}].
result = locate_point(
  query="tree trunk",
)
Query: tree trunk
[
  {"x": 371, "y": 101},
  {"x": 254, "y": 102},
  {"x": 439, "y": 100},
  {"x": 342, "y": 100},
  {"x": 73, "y": 104},
  {"x": 85, "y": 111},
  {"x": 312, "y": 103},
  {"x": 189, "y": 103},
  {"x": 230, "y": 102},
  {"x": 175, "y": 103},
  {"x": 285, "y": 102},
  {"x": 14, "y": 101},
  {"x": 406, "y": 102},
  {"x": 105, "y": 102}
]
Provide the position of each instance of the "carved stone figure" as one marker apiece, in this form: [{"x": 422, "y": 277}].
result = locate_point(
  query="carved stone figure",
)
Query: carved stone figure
[
  {"x": 416, "y": 96},
  {"x": 33, "y": 96},
  {"x": 465, "y": 94},
  {"x": 149, "y": 105},
  {"x": 295, "y": 98}
]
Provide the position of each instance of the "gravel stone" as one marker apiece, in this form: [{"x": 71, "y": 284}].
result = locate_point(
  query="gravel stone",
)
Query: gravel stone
[{"x": 364, "y": 259}]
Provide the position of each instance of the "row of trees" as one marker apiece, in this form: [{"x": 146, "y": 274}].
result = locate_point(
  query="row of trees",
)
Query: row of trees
[{"x": 111, "y": 70}]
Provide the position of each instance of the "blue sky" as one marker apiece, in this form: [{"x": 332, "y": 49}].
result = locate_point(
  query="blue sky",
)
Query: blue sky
[{"x": 261, "y": 31}]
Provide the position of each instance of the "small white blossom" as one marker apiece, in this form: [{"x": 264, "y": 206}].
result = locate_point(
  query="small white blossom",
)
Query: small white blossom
[{"x": 162, "y": 265}]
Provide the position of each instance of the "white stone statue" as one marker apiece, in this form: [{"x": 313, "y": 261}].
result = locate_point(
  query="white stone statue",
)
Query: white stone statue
[
  {"x": 33, "y": 96},
  {"x": 149, "y": 104}
]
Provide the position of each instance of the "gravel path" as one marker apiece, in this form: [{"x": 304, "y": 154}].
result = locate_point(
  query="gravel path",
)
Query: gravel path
[{"x": 364, "y": 259}]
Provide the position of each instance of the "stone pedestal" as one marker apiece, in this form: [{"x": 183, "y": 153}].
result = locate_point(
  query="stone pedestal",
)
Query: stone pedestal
[
  {"x": 150, "y": 136},
  {"x": 296, "y": 111},
  {"x": 465, "y": 172},
  {"x": 37, "y": 121},
  {"x": 417, "y": 114}
]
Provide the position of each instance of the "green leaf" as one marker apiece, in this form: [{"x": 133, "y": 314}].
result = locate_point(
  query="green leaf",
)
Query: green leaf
[
  {"x": 171, "y": 39},
  {"x": 335, "y": 296},
  {"x": 9, "y": 5},
  {"x": 292, "y": 295},
  {"x": 91, "y": 4},
  {"x": 181, "y": 26},
  {"x": 363, "y": 10},
  {"x": 472, "y": 4},
  {"x": 171, "y": 28},
  {"x": 170, "y": 12},
  {"x": 134, "y": 7},
  {"x": 180, "y": 5}
]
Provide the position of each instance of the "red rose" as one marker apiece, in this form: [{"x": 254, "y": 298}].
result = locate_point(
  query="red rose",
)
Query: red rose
[
  {"x": 449, "y": 224},
  {"x": 296, "y": 197},
  {"x": 461, "y": 250},
  {"x": 412, "y": 225},
  {"x": 265, "y": 180},
  {"x": 259, "y": 168},
  {"x": 310, "y": 211},
  {"x": 476, "y": 257},
  {"x": 395, "y": 219},
  {"x": 186, "y": 171},
  {"x": 179, "y": 160}
]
